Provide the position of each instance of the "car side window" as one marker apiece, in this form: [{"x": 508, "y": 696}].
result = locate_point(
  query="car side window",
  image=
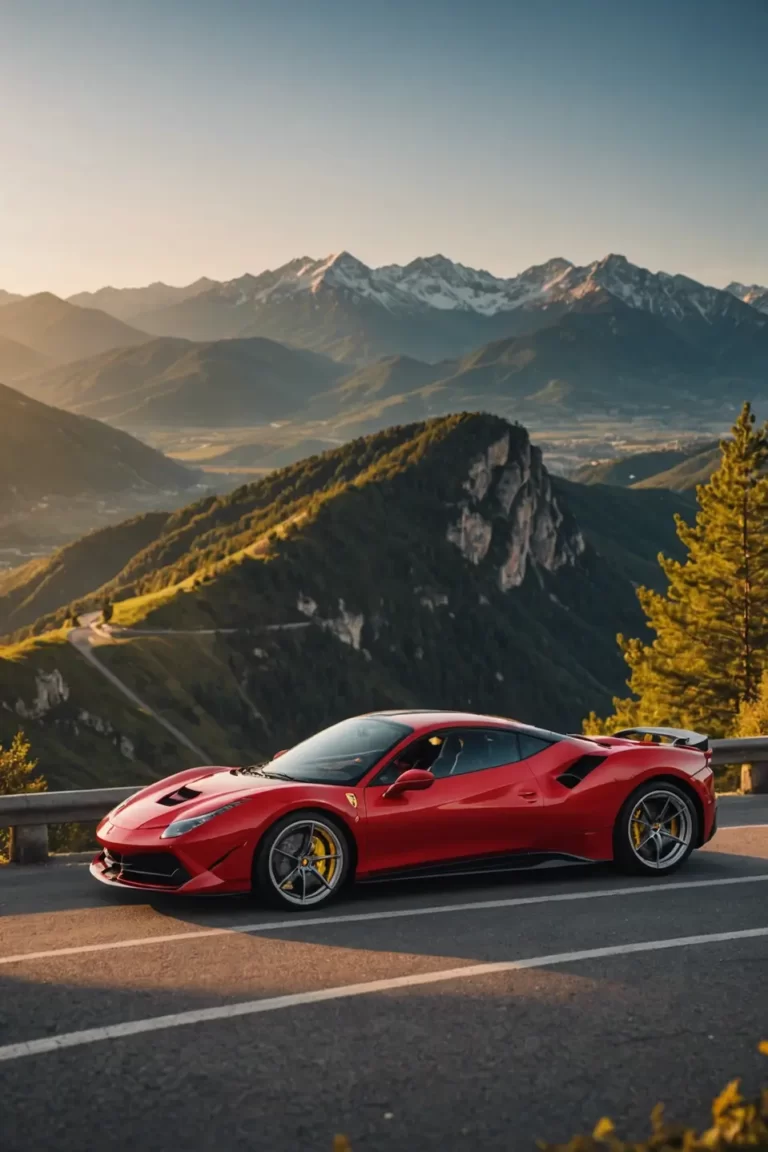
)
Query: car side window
[
  {"x": 475, "y": 749},
  {"x": 531, "y": 745},
  {"x": 455, "y": 752},
  {"x": 420, "y": 753}
]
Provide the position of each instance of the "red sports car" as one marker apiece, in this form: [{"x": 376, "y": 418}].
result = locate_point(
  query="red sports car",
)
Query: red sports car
[{"x": 414, "y": 793}]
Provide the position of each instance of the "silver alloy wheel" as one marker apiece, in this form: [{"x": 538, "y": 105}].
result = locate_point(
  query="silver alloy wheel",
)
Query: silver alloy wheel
[
  {"x": 660, "y": 829},
  {"x": 306, "y": 862}
]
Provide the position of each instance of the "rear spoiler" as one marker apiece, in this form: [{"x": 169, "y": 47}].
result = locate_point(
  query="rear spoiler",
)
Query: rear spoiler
[{"x": 680, "y": 737}]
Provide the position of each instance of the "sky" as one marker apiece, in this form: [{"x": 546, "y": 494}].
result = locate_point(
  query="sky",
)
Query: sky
[{"x": 169, "y": 139}]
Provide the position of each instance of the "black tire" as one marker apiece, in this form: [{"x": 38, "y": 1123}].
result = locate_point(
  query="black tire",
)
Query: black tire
[
  {"x": 640, "y": 848},
  {"x": 271, "y": 868}
]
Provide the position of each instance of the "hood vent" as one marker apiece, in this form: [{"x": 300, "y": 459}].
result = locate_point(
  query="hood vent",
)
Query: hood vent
[
  {"x": 179, "y": 796},
  {"x": 579, "y": 770}
]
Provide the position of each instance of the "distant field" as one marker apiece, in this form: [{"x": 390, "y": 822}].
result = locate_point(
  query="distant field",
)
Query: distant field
[{"x": 234, "y": 455}]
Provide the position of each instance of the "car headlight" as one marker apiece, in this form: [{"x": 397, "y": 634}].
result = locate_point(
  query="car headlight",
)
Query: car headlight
[{"x": 179, "y": 827}]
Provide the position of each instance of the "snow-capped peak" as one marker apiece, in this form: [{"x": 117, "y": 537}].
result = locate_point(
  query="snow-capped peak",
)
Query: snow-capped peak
[
  {"x": 754, "y": 294},
  {"x": 428, "y": 282},
  {"x": 435, "y": 283},
  {"x": 672, "y": 297}
]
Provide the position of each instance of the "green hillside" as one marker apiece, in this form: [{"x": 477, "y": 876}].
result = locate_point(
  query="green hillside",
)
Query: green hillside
[
  {"x": 50, "y": 583},
  {"x": 629, "y": 527},
  {"x": 599, "y": 357},
  {"x": 434, "y": 564},
  {"x": 624, "y": 471},
  {"x": 685, "y": 476},
  {"x": 176, "y": 382},
  {"x": 392, "y": 376},
  {"x": 678, "y": 469},
  {"x": 45, "y": 451}
]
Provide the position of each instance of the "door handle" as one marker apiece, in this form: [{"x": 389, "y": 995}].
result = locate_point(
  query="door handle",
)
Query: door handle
[{"x": 528, "y": 795}]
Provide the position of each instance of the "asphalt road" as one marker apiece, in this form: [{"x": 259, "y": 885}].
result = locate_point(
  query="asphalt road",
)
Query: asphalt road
[{"x": 480, "y": 1013}]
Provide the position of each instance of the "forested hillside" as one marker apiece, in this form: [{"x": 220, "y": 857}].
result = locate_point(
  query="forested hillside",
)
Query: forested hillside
[{"x": 433, "y": 564}]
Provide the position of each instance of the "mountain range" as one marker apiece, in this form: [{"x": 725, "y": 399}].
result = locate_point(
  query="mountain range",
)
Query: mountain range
[
  {"x": 435, "y": 284},
  {"x": 410, "y": 342},
  {"x": 754, "y": 294},
  {"x": 128, "y": 303},
  {"x": 435, "y": 564},
  {"x": 600, "y": 356},
  {"x": 432, "y": 308}
]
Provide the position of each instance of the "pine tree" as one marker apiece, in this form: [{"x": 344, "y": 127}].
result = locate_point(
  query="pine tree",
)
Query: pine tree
[
  {"x": 17, "y": 774},
  {"x": 711, "y": 626},
  {"x": 753, "y": 716}
]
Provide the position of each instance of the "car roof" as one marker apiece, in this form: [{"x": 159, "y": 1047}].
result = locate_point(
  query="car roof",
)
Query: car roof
[{"x": 425, "y": 719}]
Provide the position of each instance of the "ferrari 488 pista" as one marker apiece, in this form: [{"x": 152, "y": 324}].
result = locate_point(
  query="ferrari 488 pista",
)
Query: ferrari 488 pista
[{"x": 414, "y": 793}]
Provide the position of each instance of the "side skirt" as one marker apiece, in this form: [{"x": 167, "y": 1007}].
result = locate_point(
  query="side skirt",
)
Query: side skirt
[{"x": 477, "y": 866}]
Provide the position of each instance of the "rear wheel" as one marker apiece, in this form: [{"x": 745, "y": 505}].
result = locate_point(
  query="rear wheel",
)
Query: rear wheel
[
  {"x": 656, "y": 829},
  {"x": 302, "y": 861}
]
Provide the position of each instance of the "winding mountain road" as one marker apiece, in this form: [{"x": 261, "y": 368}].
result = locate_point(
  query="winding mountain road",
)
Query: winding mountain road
[
  {"x": 93, "y": 632},
  {"x": 84, "y": 638},
  {"x": 439, "y": 1016}
]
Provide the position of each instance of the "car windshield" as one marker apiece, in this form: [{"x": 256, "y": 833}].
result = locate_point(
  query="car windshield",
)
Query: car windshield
[{"x": 341, "y": 754}]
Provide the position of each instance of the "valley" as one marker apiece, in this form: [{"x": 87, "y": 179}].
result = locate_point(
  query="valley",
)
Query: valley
[
  {"x": 62, "y": 475},
  {"x": 233, "y": 455},
  {"x": 330, "y": 488}
]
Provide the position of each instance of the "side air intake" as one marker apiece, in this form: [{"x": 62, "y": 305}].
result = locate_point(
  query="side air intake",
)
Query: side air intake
[{"x": 579, "y": 770}]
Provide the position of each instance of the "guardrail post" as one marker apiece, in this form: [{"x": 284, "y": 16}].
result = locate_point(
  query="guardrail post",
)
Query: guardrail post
[
  {"x": 754, "y": 778},
  {"x": 29, "y": 844}
]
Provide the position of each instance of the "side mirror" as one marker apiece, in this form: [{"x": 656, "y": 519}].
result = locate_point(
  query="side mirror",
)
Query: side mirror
[{"x": 412, "y": 780}]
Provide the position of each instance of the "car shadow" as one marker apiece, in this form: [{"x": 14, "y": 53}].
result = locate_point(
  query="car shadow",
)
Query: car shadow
[{"x": 370, "y": 897}]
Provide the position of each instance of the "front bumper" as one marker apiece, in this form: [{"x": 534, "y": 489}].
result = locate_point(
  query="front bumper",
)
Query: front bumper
[
  {"x": 142, "y": 861},
  {"x": 159, "y": 870}
]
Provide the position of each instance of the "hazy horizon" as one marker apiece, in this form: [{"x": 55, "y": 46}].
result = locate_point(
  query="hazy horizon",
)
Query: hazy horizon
[{"x": 177, "y": 140}]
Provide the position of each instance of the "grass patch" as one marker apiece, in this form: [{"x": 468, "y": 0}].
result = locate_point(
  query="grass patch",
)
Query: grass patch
[{"x": 22, "y": 649}]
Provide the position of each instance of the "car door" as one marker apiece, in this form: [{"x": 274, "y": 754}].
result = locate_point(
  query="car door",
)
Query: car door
[{"x": 484, "y": 801}]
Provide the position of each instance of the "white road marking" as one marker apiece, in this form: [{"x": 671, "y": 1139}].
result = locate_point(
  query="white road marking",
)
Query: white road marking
[
  {"x": 393, "y": 914},
  {"x": 297, "y": 999}
]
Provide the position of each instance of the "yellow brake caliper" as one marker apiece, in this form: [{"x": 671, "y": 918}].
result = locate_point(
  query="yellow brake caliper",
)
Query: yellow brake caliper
[
  {"x": 636, "y": 827},
  {"x": 320, "y": 849}
]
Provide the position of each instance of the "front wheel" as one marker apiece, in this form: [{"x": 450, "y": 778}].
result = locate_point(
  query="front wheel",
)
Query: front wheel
[
  {"x": 656, "y": 829},
  {"x": 302, "y": 861}
]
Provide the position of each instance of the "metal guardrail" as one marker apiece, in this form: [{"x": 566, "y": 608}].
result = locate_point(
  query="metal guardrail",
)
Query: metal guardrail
[
  {"x": 743, "y": 750},
  {"x": 30, "y": 808},
  {"x": 34, "y": 811}
]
